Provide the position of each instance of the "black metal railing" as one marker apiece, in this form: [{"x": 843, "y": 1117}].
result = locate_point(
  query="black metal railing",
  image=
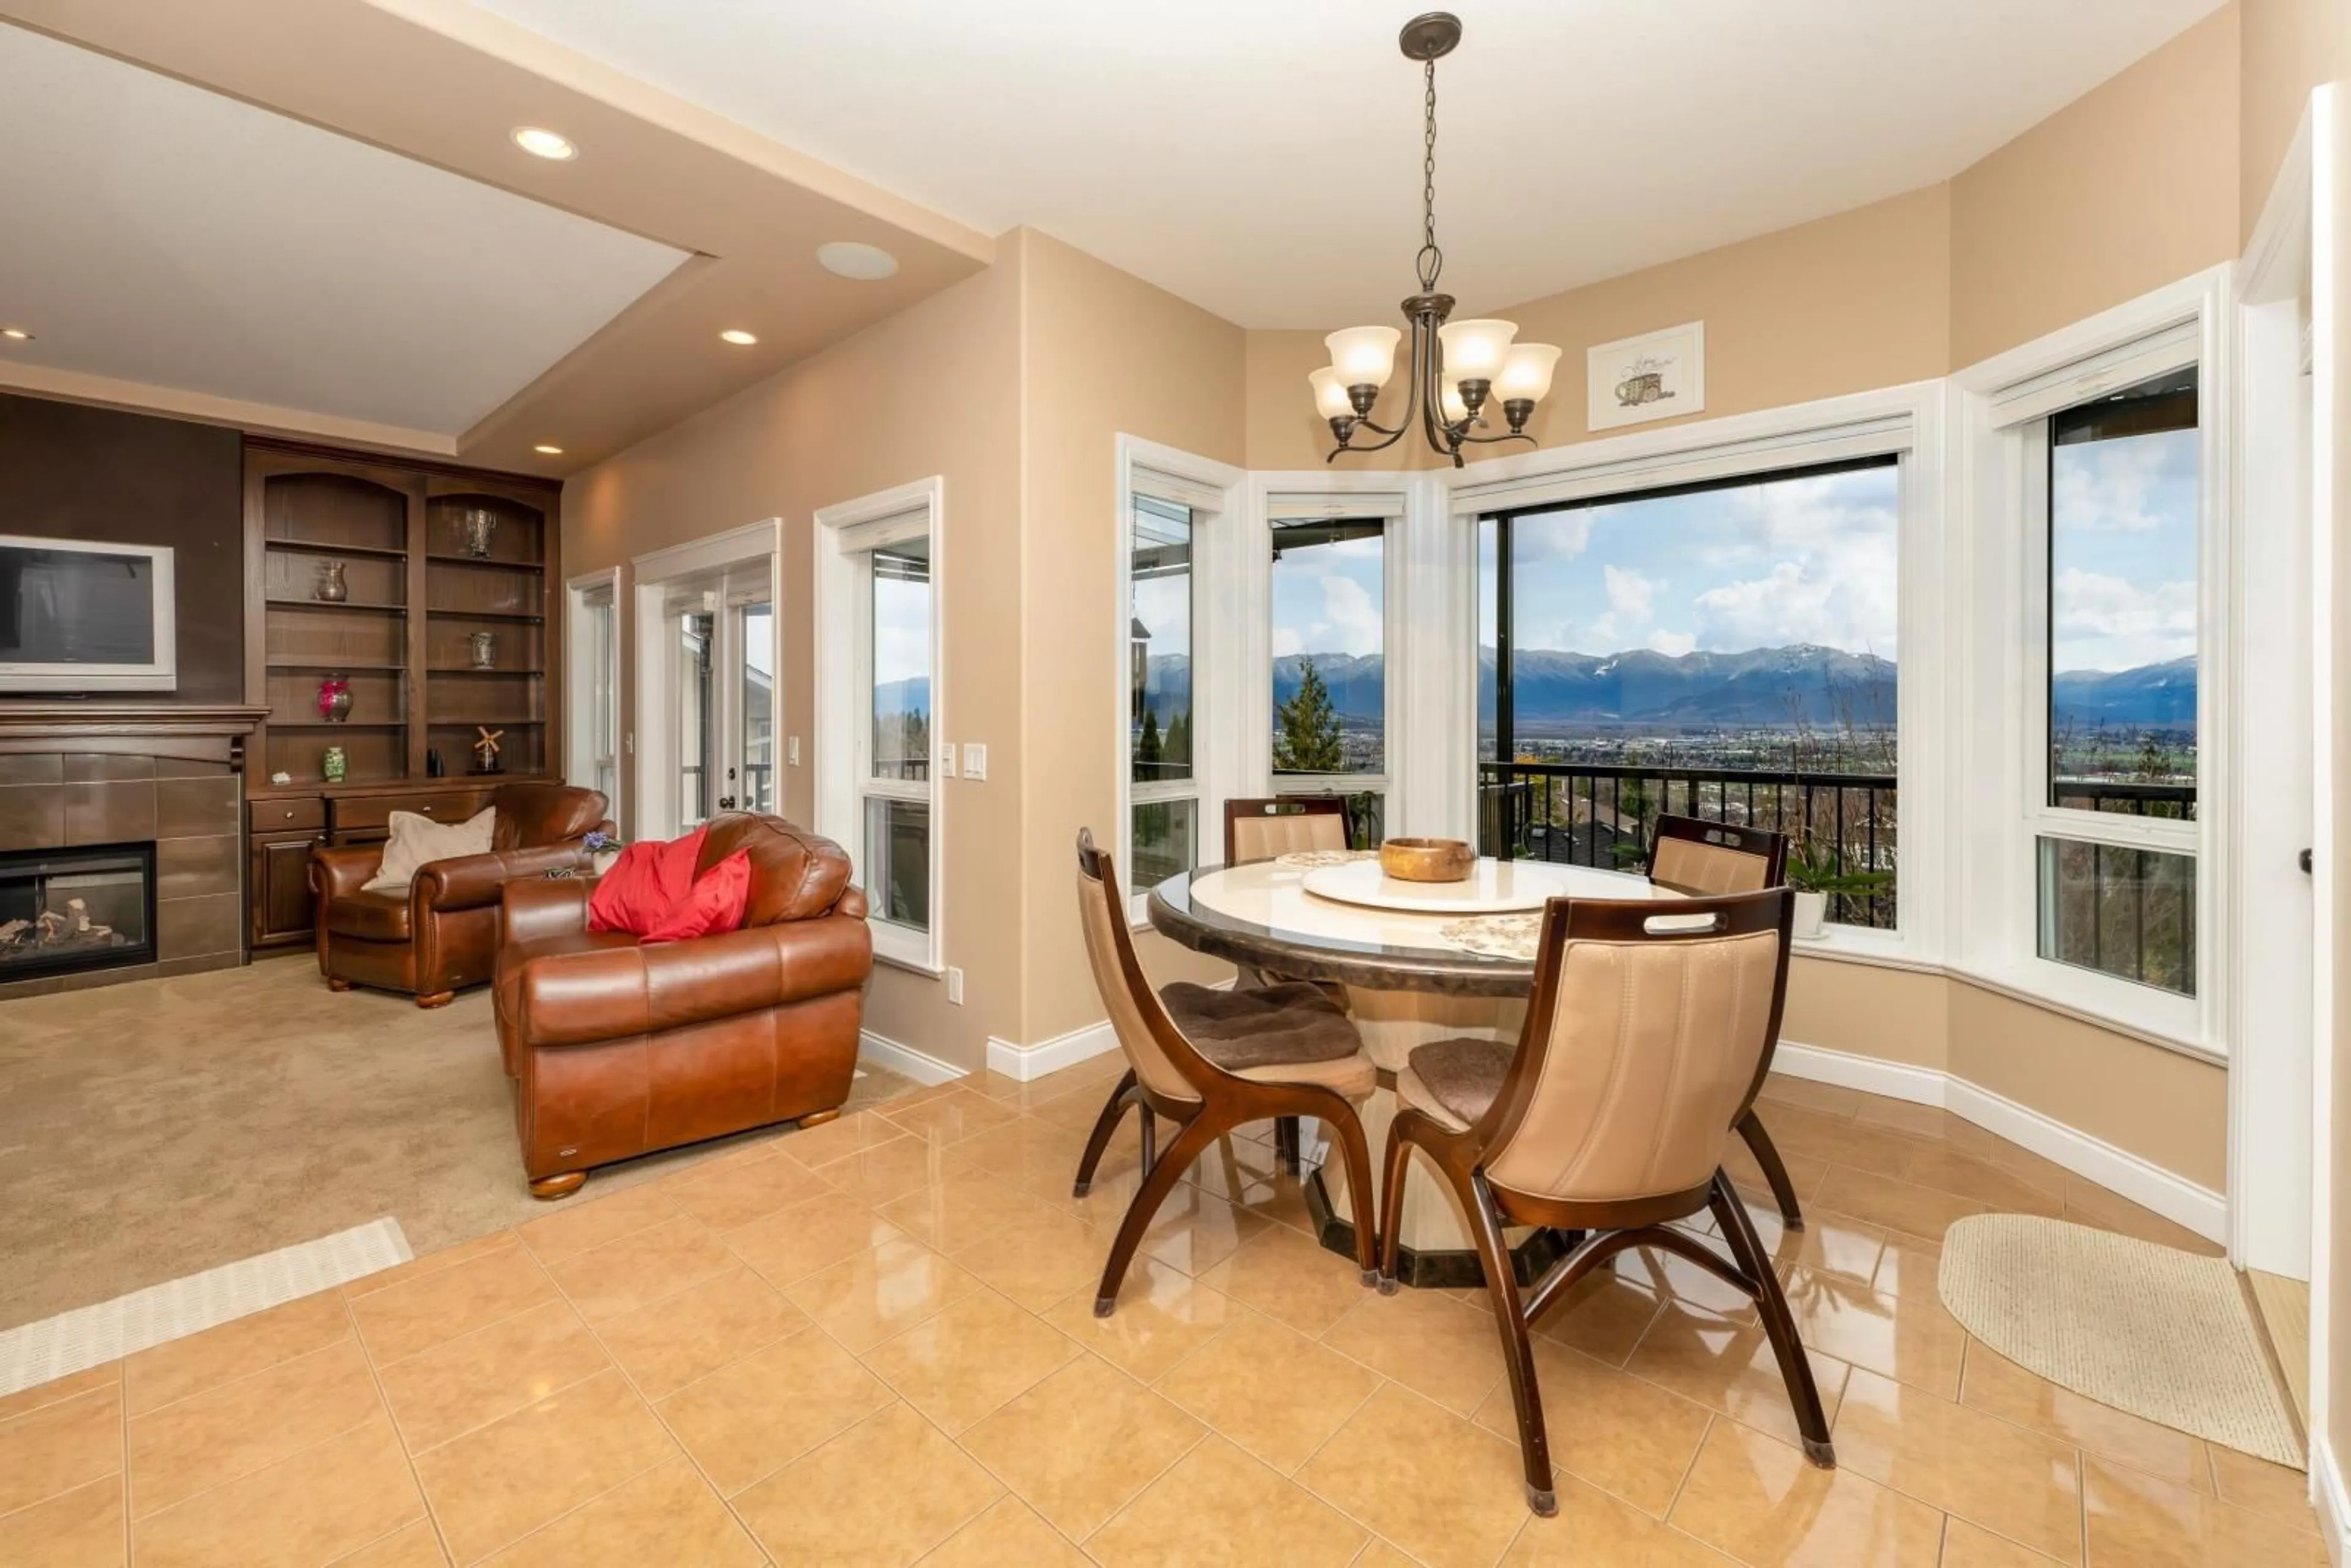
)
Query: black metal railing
[{"x": 1599, "y": 814}]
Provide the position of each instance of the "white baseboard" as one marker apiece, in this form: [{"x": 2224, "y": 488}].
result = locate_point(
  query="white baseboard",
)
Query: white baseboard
[
  {"x": 2328, "y": 1497},
  {"x": 2149, "y": 1185},
  {"x": 1024, "y": 1063},
  {"x": 920, "y": 1066}
]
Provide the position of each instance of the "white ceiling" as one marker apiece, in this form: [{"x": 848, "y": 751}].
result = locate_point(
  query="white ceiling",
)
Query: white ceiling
[
  {"x": 1262, "y": 157},
  {"x": 160, "y": 234}
]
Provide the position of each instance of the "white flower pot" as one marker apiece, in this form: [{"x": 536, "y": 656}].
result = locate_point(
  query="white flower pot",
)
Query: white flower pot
[
  {"x": 601, "y": 862},
  {"x": 1811, "y": 913}
]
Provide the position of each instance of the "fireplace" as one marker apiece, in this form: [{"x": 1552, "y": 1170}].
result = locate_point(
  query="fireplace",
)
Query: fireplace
[{"x": 67, "y": 910}]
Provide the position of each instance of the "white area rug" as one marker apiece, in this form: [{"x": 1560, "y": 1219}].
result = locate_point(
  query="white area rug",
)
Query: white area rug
[
  {"x": 56, "y": 1347},
  {"x": 2145, "y": 1328}
]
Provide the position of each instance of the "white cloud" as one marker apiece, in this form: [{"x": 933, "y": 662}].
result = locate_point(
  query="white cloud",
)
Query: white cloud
[
  {"x": 2104, "y": 623},
  {"x": 1629, "y": 592},
  {"x": 1845, "y": 599},
  {"x": 1675, "y": 644},
  {"x": 1352, "y": 621},
  {"x": 2109, "y": 486},
  {"x": 1287, "y": 642},
  {"x": 1559, "y": 535}
]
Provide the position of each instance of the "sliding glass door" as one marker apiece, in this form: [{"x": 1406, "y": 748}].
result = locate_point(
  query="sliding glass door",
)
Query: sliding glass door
[{"x": 720, "y": 630}]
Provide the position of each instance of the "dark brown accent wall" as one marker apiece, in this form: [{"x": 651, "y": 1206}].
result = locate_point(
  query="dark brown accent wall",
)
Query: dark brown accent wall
[{"x": 72, "y": 472}]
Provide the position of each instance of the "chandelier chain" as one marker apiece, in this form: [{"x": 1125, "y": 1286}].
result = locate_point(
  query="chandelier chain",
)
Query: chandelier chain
[{"x": 1431, "y": 259}]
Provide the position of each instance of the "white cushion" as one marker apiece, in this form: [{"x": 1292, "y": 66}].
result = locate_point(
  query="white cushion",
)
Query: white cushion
[{"x": 417, "y": 841}]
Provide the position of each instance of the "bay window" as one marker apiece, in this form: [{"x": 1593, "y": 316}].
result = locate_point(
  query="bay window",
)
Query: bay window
[{"x": 1329, "y": 651}]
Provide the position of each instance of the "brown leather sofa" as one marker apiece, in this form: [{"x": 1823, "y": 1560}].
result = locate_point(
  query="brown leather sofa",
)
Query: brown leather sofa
[
  {"x": 441, "y": 934},
  {"x": 617, "y": 1050}
]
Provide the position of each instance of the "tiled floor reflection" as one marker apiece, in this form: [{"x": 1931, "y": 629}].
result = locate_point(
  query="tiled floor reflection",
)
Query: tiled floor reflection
[{"x": 872, "y": 1344}]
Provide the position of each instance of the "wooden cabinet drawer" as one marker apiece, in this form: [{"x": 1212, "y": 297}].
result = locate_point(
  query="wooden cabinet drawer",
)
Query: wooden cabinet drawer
[
  {"x": 299, "y": 813},
  {"x": 372, "y": 813}
]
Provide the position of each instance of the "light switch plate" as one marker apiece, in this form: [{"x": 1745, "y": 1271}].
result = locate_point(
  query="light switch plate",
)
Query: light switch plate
[
  {"x": 792, "y": 752},
  {"x": 955, "y": 986},
  {"x": 975, "y": 759},
  {"x": 947, "y": 760}
]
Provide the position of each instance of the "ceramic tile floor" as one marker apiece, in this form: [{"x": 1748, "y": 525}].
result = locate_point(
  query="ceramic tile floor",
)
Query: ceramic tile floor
[{"x": 871, "y": 1342}]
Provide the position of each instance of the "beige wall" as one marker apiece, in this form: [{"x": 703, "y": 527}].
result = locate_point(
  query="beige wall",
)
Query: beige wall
[
  {"x": 2287, "y": 46},
  {"x": 1104, "y": 354},
  {"x": 1843, "y": 304},
  {"x": 2129, "y": 187},
  {"x": 1866, "y": 1009},
  {"x": 933, "y": 391}
]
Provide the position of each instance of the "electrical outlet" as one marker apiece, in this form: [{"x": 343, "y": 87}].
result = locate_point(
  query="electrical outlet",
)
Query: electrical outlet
[
  {"x": 975, "y": 759},
  {"x": 955, "y": 985},
  {"x": 947, "y": 760},
  {"x": 792, "y": 752}
]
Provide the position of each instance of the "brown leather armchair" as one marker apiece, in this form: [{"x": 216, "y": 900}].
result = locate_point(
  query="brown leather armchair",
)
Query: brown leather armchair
[
  {"x": 617, "y": 1050},
  {"x": 440, "y": 933}
]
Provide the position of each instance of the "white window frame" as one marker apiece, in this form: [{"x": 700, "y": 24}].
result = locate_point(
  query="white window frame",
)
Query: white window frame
[
  {"x": 1904, "y": 422},
  {"x": 579, "y": 766},
  {"x": 1252, "y": 583},
  {"x": 1221, "y": 622},
  {"x": 1999, "y": 411},
  {"x": 845, "y": 538},
  {"x": 651, "y": 574}
]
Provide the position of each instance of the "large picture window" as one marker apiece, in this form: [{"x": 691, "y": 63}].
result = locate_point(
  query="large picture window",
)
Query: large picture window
[
  {"x": 1329, "y": 597},
  {"x": 1723, "y": 650}
]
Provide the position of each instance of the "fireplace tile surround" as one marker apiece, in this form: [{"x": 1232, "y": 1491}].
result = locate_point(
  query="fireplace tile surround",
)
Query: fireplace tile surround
[{"x": 75, "y": 776}]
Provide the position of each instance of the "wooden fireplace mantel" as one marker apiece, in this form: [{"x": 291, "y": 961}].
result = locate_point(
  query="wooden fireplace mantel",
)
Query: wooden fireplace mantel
[{"x": 215, "y": 731}]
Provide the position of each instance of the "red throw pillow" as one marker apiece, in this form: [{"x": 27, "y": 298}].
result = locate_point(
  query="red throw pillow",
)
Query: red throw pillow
[
  {"x": 716, "y": 904},
  {"x": 644, "y": 884}
]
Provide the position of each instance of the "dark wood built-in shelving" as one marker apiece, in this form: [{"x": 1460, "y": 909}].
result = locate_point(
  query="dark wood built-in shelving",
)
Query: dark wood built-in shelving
[{"x": 414, "y": 595}]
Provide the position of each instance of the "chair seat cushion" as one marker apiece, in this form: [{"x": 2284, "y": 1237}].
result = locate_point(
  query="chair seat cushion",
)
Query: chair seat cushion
[
  {"x": 1353, "y": 1077},
  {"x": 1454, "y": 1079},
  {"x": 1278, "y": 1026},
  {"x": 371, "y": 915}
]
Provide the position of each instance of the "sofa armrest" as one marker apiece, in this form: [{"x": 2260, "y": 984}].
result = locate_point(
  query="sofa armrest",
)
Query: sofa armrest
[
  {"x": 472, "y": 881},
  {"x": 582, "y": 998},
  {"x": 341, "y": 873},
  {"x": 536, "y": 908}
]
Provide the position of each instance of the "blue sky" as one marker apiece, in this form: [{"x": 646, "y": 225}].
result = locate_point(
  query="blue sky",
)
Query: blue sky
[
  {"x": 1796, "y": 560},
  {"x": 2121, "y": 552},
  {"x": 1329, "y": 598}
]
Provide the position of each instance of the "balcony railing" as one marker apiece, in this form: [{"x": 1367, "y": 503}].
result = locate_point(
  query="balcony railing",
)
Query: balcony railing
[{"x": 1598, "y": 814}]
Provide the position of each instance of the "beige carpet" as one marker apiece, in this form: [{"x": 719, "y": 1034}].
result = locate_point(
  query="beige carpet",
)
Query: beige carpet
[
  {"x": 154, "y": 1130},
  {"x": 2145, "y": 1328}
]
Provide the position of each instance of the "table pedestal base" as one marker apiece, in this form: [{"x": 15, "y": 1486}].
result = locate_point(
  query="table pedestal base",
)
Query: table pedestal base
[{"x": 1434, "y": 1249}]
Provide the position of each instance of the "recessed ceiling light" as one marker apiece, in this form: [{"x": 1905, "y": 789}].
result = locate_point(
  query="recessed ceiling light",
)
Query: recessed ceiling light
[
  {"x": 16, "y": 333},
  {"x": 549, "y": 448},
  {"x": 866, "y": 263},
  {"x": 737, "y": 336},
  {"x": 541, "y": 143}
]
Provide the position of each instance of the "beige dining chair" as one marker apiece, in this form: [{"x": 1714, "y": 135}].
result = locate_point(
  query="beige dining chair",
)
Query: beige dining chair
[
  {"x": 1264, "y": 1061},
  {"x": 1692, "y": 856},
  {"x": 1645, "y": 1041}
]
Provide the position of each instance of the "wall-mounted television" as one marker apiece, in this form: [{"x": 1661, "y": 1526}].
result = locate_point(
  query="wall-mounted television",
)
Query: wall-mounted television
[{"x": 76, "y": 616}]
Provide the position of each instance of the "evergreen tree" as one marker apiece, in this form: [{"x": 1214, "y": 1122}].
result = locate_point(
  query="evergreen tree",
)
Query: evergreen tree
[
  {"x": 1146, "y": 747},
  {"x": 1306, "y": 738},
  {"x": 1178, "y": 745}
]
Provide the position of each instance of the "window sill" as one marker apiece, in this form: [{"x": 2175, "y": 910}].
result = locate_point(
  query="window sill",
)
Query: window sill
[
  {"x": 922, "y": 967},
  {"x": 1859, "y": 944}
]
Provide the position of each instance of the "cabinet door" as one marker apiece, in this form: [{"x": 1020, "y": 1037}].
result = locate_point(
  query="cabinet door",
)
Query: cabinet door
[{"x": 281, "y": 888}]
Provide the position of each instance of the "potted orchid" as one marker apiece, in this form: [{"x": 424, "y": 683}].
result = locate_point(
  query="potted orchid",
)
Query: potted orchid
[{"x": 602, "y": 848}]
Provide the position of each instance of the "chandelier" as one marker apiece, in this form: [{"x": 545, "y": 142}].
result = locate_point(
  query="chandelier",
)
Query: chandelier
[{"x": 1458, "y": 368}]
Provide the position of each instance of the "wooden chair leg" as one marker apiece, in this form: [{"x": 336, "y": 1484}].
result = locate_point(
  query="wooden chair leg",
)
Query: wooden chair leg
[
  {"x": 1149, "y": 1126},
  {"x": 1188, "y": 1145},
  {"x": 1104, "y": 1126},
  {"x": 1518, "y": 1352},
  {"x": 1784, "y": 1191},
  {"x": 1395, "y": 1159},
  {"x": 1779, "y": 1325},
  {"x": 1357, "y": 1151},
  {"x": 1286, "y": 1143}
]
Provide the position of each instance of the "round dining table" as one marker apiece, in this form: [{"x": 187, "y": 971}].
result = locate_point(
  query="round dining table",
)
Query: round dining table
[{"x": 1411, "y": 976}]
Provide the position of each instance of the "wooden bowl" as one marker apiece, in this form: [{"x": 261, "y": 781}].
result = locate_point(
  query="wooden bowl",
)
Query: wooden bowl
[{"x": 1428, "y": 860}]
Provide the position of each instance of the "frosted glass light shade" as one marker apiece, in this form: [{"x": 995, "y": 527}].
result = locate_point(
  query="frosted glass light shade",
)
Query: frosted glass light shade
[
  {"x": 1331, "y": 395},
  {"x": 1527, "y": 371},
  {"x": 1450, "y": 406},
  {"x": 1364, "y": 354},
  {"x": 1475, "y": 349}
]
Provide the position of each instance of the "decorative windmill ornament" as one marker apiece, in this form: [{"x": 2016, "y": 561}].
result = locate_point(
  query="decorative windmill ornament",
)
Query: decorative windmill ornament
[{"x": 486, "y": 749}]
